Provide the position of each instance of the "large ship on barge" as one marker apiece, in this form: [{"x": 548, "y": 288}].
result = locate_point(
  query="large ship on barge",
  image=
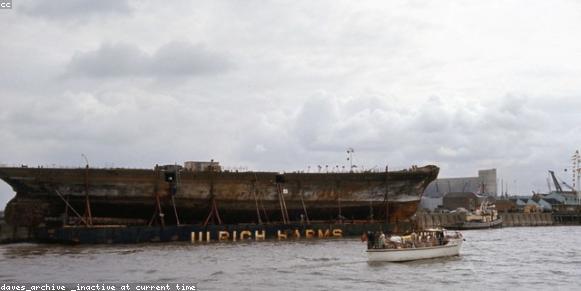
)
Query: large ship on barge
[{"x": 201, "y": 193}]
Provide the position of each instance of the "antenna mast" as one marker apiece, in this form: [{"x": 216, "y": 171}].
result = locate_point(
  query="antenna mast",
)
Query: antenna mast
[
  {"x": 576, "y": 159},
  {"x": 576, "y": 174}
]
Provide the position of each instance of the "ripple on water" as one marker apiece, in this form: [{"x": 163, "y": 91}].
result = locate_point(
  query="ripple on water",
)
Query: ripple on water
[{"x": 217, "y": 273}]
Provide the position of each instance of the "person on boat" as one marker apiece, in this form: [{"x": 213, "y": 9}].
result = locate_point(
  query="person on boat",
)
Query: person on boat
[
  {"x": 431, "y": 238},
  {"x": 370, "y": 239},
  {"x": 382, "y": 240},
  {"x": 377, "y": 236},
  {"x": 395, "y": 241}
]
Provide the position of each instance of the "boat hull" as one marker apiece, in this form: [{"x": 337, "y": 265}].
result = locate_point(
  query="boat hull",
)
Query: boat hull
[
  {"x": 477, "y": 225},
  {"x": 132, "y": 196},
  {"x": 452, "y": 248}
]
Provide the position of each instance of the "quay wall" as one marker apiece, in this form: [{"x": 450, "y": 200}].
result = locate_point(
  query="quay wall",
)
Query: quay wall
[
  {"x": 526, "y": 219},
  {"x": 509, "y": 219},
  {"x": 567, "y": 218},
  {"x": 425, "y": 220}
]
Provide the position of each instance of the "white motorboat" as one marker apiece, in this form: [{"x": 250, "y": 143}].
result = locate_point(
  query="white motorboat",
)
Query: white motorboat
[{"x": 426, "y": 244}]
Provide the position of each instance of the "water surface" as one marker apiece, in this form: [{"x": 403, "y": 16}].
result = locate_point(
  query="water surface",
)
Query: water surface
[{"x": 528, "y": 258}]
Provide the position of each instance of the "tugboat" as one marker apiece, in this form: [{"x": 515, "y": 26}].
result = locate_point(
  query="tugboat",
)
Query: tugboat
[
  {"x": 484, "y": 217},
  {"x": 425, "y": 244}
]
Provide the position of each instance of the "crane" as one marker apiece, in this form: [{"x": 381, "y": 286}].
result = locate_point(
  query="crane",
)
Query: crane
[
  {"x": 568, "y": 186},
  {"x": 557, "y": 185}
]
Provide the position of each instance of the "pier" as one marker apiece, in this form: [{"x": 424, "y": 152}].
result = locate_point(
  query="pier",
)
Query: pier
[{"x": 509, "y": 219}]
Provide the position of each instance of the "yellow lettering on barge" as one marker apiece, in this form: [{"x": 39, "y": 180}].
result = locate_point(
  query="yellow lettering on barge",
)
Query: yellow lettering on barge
[
  {"x": 223, "y": 235},
  {"x": 337, "y": 232},
  {"x": 245, "y": 234},
  {"x": 281, "y": 235},
  {"x": 324, "y": 234},
  {"x": 261, "y": 236},
  {"x": 297, "y": 233}
]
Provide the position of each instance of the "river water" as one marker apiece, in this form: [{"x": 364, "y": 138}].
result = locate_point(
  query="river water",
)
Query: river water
[{"x": 527, "y": 258}]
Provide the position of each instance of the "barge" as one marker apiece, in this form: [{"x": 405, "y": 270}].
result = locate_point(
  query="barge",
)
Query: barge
[{"x": 55, "y": 203}]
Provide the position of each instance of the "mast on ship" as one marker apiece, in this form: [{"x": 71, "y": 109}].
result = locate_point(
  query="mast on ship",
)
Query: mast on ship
[
  {"x": 214, "y": 212},
  {"x": 174, "y": 190},
  {"x": 386, "y": 194},
  {"x": 88, "y": 215}
]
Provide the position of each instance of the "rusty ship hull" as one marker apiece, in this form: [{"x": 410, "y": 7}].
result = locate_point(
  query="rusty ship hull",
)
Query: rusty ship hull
[{"x": 139, "y": 196}]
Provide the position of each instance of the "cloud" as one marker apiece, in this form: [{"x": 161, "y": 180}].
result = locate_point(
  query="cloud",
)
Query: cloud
[
  {"x": 75, "y": 9},
  {"x": 110, "y": 61},
  {"x": 175, "y": 59},
  {"x": 436, "y": 129},
  {"x": 285, "y": 86}
]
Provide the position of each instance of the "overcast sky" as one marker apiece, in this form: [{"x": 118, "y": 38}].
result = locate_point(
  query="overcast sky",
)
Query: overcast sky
[{"x": 284, "y": 85}]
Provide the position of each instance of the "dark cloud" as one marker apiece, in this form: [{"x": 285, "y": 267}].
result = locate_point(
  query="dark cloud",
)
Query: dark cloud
[
  {"x": 110, "y": 61},
  {"x": 175, "y": 59},
  {"x": 74, "y": 9},
  {"x": 183, "y": 59}
]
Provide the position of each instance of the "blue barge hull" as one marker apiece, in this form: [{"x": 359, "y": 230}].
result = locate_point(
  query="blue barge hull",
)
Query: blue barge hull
[{"x": 210, "y": 233}]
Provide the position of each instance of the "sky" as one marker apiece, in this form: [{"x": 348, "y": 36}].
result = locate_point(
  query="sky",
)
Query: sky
[{"x": 290, "y": 85}]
